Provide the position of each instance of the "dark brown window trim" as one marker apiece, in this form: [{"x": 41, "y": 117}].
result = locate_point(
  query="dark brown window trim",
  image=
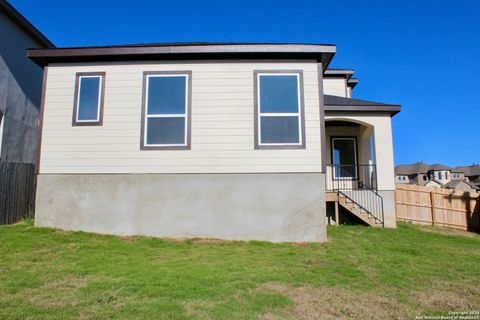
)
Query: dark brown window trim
[
  {"x": 42, "y": 113},
  {"x": 256, "y": 110},
  {"x": 323, "y": 133},
  {"x": 188, "y": 108},
  {"x": 78, "y": 75}
]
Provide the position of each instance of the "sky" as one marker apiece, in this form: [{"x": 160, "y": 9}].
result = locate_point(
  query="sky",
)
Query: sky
[{"x": 422, "y": 54}]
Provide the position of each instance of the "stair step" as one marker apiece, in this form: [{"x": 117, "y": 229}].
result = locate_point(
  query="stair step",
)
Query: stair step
[{"x": 358, "y": 211}]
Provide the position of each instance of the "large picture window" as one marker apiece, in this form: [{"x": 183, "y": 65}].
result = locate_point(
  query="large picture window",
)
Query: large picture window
[
  {"x": 89, "y": 96},
  {"x": 279, "y": 118},
  {"x": 166, "y": 110}
]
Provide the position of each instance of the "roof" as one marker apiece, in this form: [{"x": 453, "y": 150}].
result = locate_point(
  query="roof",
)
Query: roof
[
  {"x": 344, "y": 73},
  {"x": 24, "y": 24},
  {"x": 186, "y": 50},
  {"x": 336, "y": 103},
  {"x": 453, "y": 183},
  {"x": 408, "y": 169},
  {"x": 439, "y": 167},
  {"x": 473, "y": 170},
  {"x": 352, "y": 82},
  {"x": 476, "y": 182},
  {"x": 434, "y": 181},
  {"x": 420, "y": 167}
]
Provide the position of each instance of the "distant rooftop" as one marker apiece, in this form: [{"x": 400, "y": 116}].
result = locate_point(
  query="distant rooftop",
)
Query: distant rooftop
[{"x": 420, "y": 167}]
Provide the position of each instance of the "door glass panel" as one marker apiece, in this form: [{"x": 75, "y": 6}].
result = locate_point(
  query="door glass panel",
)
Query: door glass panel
[{"x": 344, "y": 157}]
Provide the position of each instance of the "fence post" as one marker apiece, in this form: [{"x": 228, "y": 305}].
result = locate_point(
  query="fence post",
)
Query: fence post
[{"x": 432, "y": 203}]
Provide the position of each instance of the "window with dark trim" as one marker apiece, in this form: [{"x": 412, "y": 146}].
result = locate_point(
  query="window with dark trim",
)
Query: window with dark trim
[
  {"x": 279, "y": 109},
  {"x": 89, "y": 99},
  {"x": 166, "y": 110}
]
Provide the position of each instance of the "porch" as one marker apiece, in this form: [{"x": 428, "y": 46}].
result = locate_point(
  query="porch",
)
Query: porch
[{"x": 352, "y": 181}]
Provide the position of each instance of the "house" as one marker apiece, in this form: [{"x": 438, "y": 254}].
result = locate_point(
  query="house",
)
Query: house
[
  {"x": 460, "y": 185},
  {"x": 472, "y": 173},
  {"x": 416, "y": 173},
  {"x": 437, "y": 175},
  {"x": 20, "y": 86},
  {"x": 214, "y": 140}
]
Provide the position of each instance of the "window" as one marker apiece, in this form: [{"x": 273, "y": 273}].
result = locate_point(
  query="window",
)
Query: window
[
  {"x": 89, "y": 96},
  {"x": 166, "y": 110},
  {"x": 446, "y": 175},
  {"x": 424, "y": 178},
  {"x": 279, "y": 110},
  {"x": 344, "y": 157}
]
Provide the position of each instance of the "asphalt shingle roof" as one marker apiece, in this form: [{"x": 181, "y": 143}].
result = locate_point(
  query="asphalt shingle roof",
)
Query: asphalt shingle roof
[{"x": 341, "y": 101}]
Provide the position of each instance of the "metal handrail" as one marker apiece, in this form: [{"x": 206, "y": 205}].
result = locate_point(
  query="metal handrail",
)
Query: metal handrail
[
  {"x": 360, "y": 180},
  {"x": 382, "y": 221}
]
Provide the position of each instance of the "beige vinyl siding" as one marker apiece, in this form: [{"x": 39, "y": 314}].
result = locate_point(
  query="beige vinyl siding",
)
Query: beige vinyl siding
[
  {"x": 222, "y": 122},
  {"x": 335, "y": 87}
]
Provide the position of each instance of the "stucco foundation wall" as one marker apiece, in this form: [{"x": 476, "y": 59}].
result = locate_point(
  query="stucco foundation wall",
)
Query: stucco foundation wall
[
  {"x": 389, "y": 208},
  {"x": 273, "y": 207}
]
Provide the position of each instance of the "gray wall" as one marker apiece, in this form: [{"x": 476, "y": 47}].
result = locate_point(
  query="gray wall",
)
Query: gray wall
[
  {"x": 272, "y": 207},
  {"x": 20, "y": 93}
]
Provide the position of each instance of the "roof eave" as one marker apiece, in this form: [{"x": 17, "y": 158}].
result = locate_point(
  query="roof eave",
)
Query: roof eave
[
  {"x": 352, "y": 82},
  {"x": 343, "y": 73},
  {"x": 392, "y": 109},
  {"x": 321, "y": 53}
]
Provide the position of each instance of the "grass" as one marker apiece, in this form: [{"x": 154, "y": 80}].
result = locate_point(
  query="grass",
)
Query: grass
[{"x": 361, "y": 273}]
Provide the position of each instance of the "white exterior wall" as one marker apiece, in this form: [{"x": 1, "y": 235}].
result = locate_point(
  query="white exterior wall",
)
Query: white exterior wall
[
  {"x": 383, "y": 144},
  {"x": 400, "y": 179},
  {"x": 222, "y": 122},
  {"x": 335, "y": 87},
  {"x": 444, "y": 180},
  {"x": 1, "y": 134}
]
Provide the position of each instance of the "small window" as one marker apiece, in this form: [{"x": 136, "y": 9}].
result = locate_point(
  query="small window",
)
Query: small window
[
  {"x": 166, "y": 110},
  {"x": 279, "y": 110},
  {"x": 89, "y": 96},
  {"x": 446, "y": 175},
  {"x": 424, "y": 178}
]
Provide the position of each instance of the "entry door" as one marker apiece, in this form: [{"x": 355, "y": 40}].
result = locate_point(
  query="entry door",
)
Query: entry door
[{"x": 344, "y": 158}]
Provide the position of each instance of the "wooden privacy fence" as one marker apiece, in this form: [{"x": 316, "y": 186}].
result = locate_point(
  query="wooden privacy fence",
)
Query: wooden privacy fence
[
  {"x": 438, "y": 207},
  {"x": 17, "y": 191}
]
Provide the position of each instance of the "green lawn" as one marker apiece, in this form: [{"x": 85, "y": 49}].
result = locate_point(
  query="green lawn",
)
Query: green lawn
[{"x": 361, "y": 273}]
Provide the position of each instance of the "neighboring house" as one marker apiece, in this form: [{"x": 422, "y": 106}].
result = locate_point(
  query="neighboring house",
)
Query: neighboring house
[
  {"x": 416, "y": 173},
  {"x": 20, "y": 86},
  {"x": 459, "y": 185},
  {"x": 437, "y": 175},
  {"x": 434, "y": 183},
  {"x": 472, "y": 173},
  {"x": 231, "y": 141}
]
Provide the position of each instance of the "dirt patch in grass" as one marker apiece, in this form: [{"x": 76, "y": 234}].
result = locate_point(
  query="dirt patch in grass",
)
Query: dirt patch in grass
[
  {"x": 448, "y": 231},
  {"x": 445, "y": 296},
  {"x": 59, "y": 293},
  {"x": 342, "y": 303},
  {"x": 336, "y": 303}
]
